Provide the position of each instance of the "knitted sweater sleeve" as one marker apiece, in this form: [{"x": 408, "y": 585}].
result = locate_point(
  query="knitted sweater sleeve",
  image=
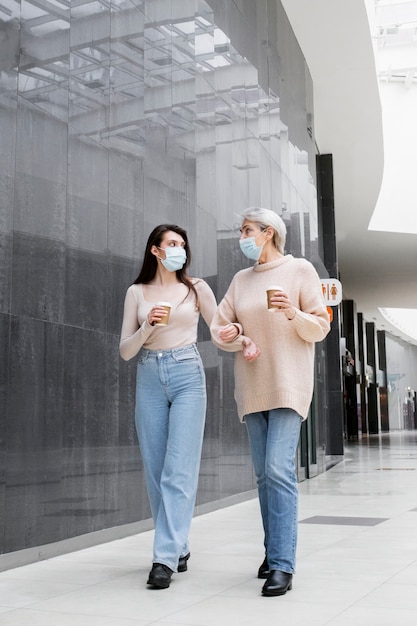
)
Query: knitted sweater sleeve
[
  {"x": 311, "y": 319},
  {"x": 224, "y": 315}
]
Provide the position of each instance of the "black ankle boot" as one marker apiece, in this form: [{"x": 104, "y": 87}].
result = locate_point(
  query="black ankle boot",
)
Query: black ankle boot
[
  {"x": 277, "y": 583},
  {"x": 263, "y": 571},
  {"x": 160, "y": 576},
  {"x": 182, "y": 562}
]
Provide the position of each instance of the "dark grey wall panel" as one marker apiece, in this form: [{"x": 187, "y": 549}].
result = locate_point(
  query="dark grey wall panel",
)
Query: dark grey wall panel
[
  {"x": 39, "y": 271},
  {"x": 120, "y": 117}
]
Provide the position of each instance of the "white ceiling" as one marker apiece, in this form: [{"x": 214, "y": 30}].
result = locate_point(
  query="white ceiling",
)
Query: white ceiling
[{"x": 377, "y": 269}]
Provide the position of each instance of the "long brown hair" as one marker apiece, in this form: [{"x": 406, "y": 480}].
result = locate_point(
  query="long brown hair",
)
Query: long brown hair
[{"x": 150, "y": 263}]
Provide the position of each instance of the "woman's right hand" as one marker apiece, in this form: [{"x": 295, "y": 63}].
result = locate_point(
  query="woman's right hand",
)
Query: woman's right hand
[
  {"x": 250, "y": 349},
  {"x": 156, "y": 314}
]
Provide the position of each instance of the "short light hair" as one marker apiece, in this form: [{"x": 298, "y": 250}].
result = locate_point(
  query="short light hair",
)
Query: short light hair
[{"x": 265, "y": 218}]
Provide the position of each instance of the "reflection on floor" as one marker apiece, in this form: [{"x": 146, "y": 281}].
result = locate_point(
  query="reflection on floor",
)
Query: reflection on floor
[{"x": 357, "y": 560}]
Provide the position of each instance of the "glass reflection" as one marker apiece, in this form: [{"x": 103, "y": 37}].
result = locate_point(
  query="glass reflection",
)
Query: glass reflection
[
  {"x": 129, "y": 113},
  {"x": 44, "y": 62}
]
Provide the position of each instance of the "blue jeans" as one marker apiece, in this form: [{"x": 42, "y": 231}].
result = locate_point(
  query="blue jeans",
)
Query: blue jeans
[
  {"x": 273, "y": 437},
  {"x": 170, "y": 416}
]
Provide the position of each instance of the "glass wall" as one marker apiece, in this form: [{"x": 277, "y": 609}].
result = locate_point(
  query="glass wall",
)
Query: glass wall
[
  {"x": 114, "y": 117},
  {"x": 402, "y": 383}
]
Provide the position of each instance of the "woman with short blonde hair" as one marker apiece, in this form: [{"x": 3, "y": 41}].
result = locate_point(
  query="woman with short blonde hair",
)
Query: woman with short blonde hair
[{"x": 274, "y": 374}]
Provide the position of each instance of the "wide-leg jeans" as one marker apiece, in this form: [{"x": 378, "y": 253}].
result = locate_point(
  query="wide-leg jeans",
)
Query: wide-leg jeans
[
  {"x": 170, "y": 416},
  {"x": 273, "y": 437}
]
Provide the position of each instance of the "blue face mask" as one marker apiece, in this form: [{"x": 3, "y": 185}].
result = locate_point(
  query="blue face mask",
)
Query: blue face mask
[
  {"x": 250, "y": 249},
  {"x": 174, "y": 258}
]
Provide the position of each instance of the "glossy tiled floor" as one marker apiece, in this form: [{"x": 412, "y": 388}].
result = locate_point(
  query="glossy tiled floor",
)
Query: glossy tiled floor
[{"x": 357, "y": 561}]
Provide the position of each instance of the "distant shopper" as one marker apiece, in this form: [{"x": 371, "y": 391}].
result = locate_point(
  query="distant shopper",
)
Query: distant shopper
[
  {"x": 161, "y": 313},
  {"x": 273, "y": 338}
]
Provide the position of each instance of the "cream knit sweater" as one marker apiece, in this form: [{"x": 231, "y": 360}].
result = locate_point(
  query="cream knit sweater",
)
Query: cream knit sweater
[{"x": 283, "y": 375}]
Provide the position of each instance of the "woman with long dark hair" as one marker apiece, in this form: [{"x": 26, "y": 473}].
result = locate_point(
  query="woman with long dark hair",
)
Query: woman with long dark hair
[{"x": 170, "y": 389}]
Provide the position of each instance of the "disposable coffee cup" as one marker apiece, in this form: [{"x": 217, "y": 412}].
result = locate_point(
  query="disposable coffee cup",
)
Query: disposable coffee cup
[
  {"x": 164, "y": 320},
  {"x": 269, "y": 293}
]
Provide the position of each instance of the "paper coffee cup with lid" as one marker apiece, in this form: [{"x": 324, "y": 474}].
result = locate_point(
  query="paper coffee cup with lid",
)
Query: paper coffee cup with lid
[
  {"x": 164, "y": 321},
  {"x": 271, "y": 292}
]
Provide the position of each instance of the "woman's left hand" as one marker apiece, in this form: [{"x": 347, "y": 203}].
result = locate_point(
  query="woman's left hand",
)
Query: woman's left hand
[
  {"x": 228, "y": 333},
  {"x": 250, "y": 350},
  {"x": 281, "y": 301}
]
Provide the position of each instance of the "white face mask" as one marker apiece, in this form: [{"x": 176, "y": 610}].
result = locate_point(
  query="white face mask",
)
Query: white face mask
[{"x": 174, "y": 258}]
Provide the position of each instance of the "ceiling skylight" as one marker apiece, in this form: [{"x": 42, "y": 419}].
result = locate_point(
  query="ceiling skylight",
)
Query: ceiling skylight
[
  {"x": 396, "y": 64},
  {"x": 403, "y": 319}
]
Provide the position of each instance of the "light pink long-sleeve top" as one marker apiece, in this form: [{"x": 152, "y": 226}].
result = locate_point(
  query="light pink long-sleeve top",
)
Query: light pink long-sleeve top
[{"x": 182, "y": 328}]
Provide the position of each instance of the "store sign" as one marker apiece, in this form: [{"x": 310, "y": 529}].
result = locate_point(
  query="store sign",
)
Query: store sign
[{"x": 332, "y": 291}]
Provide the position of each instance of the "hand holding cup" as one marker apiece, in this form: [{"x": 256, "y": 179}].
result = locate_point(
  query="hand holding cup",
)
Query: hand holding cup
[
  {"x": 159, "y": 314},
  {"x": 270, "y": 294},
  {"x": 278, "y": 301}
]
